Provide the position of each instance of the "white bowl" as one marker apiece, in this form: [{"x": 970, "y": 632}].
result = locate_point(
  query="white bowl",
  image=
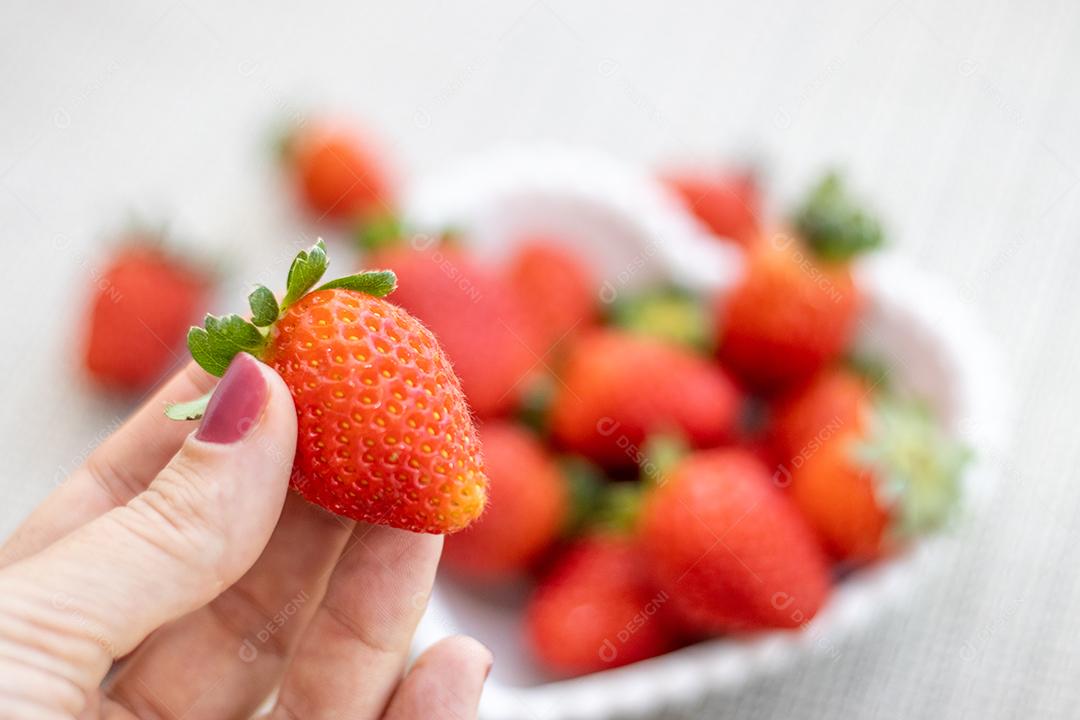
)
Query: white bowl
[{"x": 634, "y": 233}]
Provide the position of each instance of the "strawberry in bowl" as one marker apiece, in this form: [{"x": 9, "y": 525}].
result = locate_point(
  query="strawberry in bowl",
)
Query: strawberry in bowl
[{"x": 674, "y": 571}]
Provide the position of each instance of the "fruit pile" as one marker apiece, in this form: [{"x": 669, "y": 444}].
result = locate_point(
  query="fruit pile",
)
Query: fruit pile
[
  {"x": 662, "y": 468},
  {"x": 673, "y": 466}
]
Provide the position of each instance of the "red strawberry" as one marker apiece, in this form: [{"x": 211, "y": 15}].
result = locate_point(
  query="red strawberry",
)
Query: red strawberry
[
  {"x": 730, "y": 548},
  {"x": 384, "y": 433},
  {"x": 887, "y": 477},
  {"x": 834, "y": 401},
  {"x": 529, "y": 505},
  {"x": 477, "y": 317},
  {"x": 796, "y": 306},
  {"x": 135, "y": 335},
  {"x": 728, "y": 204},
  {"x": 616, "y": 389},
  {"x": 788, "y": 316},
  {"x": 558, "y": 290},
  {"x": 595, "y": 610},
  {"x": 337, "y": 175}
]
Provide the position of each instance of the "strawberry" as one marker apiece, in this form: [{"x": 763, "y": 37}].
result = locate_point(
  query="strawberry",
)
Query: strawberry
[
  {"x": 337, "y": 175},
  {"x": 730, "y": 548},
  {"x": 528, "y": 506},
  {"x": 477, "y": 317},
  {"x": 880, "y": 480},
  {"x": 384, "y": 433},
  {"x": 595, "y": 609},
  {"x": 133, "y": 336},
  {"x": 728, "y": 204},
  {"x": 796, "y": 306},
  {"x": 834, "y": 401},
  {"x": 616, "y": 389},
  {"x": 558, "y": 291}
]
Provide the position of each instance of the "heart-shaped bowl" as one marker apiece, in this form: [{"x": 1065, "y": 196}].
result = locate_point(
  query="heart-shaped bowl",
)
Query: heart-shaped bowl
[{"x": 634, "y": 233}]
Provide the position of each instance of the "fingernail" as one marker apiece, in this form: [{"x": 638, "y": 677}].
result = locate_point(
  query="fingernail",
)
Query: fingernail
[{"x": 236, "y": 404}]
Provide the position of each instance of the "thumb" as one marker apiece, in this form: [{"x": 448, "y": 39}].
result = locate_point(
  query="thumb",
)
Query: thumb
[{"x": 196, "y": 529}]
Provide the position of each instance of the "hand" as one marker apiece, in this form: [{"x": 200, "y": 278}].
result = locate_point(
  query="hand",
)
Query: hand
[{"x": 185, "y": 555}]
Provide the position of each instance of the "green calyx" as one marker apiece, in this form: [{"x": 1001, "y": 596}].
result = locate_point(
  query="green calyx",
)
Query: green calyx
[
  {"x": 600, "y": 503},
  {"x": 663, "y": 452},
  {"x": 834, "y": 225},
  {"x": 214, "y": 345},
  {"x": 871, "y": 368},
  {"x": 535, "y": 404},
  {"x": 619, "y": 507},
  {"x": 585, "y": 483},
  {"x": 378, "y": 232},
  {"x": 671, "y": 314},
  {"x": 387, "y": 230},
  {"x": 917, "y": 466}
]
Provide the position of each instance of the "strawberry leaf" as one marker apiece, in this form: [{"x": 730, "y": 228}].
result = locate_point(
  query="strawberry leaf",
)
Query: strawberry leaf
[
  {"x": 190, "y": 410},
  {"x": 264, "y": 306},
  {"x": 833, "y": 223},
  {"x": 586, "y": 484},
  {"x": 381, "y": 231},
  {"x": 376, "y": 282},
  {"x": 619, "y": 508},
  {"x": 919, "y": 467},
  {"x": 235, "y": 330},
  {"x": 306, "y": 270},
  {"x": 215, "y": 345},
  {"x": 535, "y": 404},
  {"x": 211, "y": 355},
  {"x": 671, "y": 314},
  {"x": 871, "y": 368},
  {"x": 663, "y": 452}
]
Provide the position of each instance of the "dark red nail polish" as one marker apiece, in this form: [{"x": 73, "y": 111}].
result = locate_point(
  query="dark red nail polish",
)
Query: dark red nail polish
[{"x": 237, "y": 403}]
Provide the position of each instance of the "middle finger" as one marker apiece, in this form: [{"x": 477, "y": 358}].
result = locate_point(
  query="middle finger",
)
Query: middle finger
[{"x": 222, "y": 660}]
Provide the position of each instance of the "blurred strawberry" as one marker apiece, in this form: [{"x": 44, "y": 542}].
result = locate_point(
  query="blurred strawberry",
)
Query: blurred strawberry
[
  {"x": 835, "y": 400},
  {"x": 729, "y": 204},
  {"x": 730, "y": 548},
  {"x": 557, "y": 289},
  {"x": 616, "y": 389},
  {"x": 796, "y": 306},
  {"x": 477, "y": 317},
  {"x": 596, "y": 610},
  {"x": 338, "y": 175},
  {"x": 887, "y": 475},
  {"x": 527, "y": 508},
  {"x": 787, "y": 317},
  {"x": 144, "y": 301}
]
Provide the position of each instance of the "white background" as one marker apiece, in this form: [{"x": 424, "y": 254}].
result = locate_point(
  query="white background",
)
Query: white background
[{"x": 962, "y": 121}]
